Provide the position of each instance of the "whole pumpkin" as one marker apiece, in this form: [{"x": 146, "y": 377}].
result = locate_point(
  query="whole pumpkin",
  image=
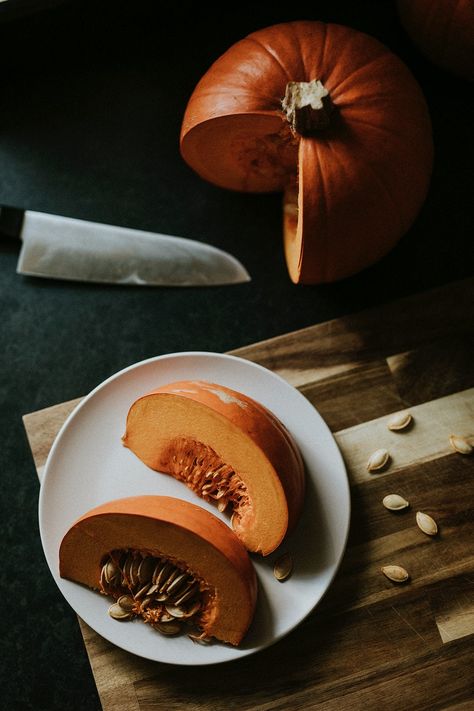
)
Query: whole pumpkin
[
  {"x": 443, "y": 30},
  {"x": 332, "y": 118}
]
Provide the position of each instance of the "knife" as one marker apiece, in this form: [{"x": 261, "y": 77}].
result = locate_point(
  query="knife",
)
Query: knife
[{"x": 58, "y": 247}]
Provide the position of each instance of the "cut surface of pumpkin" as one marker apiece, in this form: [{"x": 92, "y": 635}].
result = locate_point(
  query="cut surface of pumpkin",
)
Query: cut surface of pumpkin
[
  {"x": 325, "y": 112},
  {"x": 167, "y": 561},
  {"x": 227, "y": 448}
]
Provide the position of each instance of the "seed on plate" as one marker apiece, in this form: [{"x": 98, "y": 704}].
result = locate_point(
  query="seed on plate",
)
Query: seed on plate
[
  {"x": 395, "y": 502},
  {"x": 200, "y": 638},
  {"x": 283, "y": 567},
  {"x": 426, "y": 524},
  {"x": 378, "y": 460},
  {"x": 168, "y": 628},
  {"x": 117, "y": 612},
  {"x": 395, "y": 573},
  {"x": 460, "y": 445},
  {"x": 399, "y": 421}
]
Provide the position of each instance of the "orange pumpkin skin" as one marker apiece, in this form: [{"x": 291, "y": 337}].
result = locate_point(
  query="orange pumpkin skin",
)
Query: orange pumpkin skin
[
  {"x": 243, "y": 434},
  {"x": 352, "y": 189},
  {"x": 183, "y": 532},
  {"x": 444, "y": 32}
]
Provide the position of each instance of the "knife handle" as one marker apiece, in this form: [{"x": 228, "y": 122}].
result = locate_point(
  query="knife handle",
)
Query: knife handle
[{"x": 11, "y": 222}]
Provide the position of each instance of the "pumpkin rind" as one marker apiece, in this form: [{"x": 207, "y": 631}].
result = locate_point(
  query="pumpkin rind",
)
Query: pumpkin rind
[
  {"x": 164, "y": 526},
  {"x": 444, "y": 32},
  {"x": 244, "y": 434},
  {"x": 364, "y": 177}
]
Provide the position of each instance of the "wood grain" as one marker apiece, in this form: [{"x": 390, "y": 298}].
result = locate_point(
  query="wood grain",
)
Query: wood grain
[{"x": 370, "y": 644}]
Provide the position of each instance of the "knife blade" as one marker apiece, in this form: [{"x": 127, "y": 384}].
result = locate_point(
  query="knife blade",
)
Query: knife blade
[{"x": 58, "y": 247}]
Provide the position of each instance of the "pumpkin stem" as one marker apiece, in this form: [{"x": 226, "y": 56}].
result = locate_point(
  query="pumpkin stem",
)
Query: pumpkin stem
[{"x": 307, "y": 106}]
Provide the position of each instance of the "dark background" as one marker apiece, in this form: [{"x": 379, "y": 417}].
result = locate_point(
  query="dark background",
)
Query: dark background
[{"x": 91, "y": 100}]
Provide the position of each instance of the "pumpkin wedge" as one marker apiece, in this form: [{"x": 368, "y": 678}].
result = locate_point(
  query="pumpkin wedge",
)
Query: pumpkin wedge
[
  {"x": 227, "y": 448},
  {"x": 162, "y": 557},
  {"x": 334, "y": 120}
]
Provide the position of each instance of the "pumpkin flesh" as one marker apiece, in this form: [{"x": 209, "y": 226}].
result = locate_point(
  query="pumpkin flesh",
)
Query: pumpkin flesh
[{"x": 179, "y": 531}]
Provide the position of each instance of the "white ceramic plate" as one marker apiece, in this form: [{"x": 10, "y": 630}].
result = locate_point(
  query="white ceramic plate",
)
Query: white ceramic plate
[{"x": 88, "y": 465}]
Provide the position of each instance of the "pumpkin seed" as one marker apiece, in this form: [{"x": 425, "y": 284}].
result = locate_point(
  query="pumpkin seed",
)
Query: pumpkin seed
[
  {"x": 168, "y": 628},
  {"x": 200, "y": 638},
  {"x": 426, "y": 524},
  {"x": 399, "y": 421},
  {"x": 283, "y": 567},
  {"x": 222, "y": 505},
  {"x": 378, "y": 460},
  {"x": 395, "y": 502},
  {"x": 174, "y": 610},
  {"x": 126, "y": 602},
  {"x": 110, "y": 571},
  {"x": 176, "y": 584},
  {"x": 187, "y": 594},
  {"x": 145, "y": 570},
  {"x": 191, "y": 611},
  {"x": 395, "y": 573},
  {"x": 460, "y": 445},
  {"x": 166, "y": 585},
  {"x": 142, "y": 591},
  {"x": 146, "y": 601},
  {"x": 154, "y": 588},
  {"x": 117, "y": 612},
  {"x": 134, "y": 567},
  {"x": 166, "y": 617}
]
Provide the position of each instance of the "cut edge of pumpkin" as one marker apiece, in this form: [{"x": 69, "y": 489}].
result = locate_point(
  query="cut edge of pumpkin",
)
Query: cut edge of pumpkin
[{"x": 245, "y": 152}]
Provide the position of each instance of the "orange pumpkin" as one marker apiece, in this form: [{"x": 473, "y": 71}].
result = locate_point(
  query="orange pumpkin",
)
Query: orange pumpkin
[
  {"x": 328, "y": 115},
  {"x": 443, "y": 30},
  {"x": 227, "y": 448},
  {"x": 187, "y": 535}
]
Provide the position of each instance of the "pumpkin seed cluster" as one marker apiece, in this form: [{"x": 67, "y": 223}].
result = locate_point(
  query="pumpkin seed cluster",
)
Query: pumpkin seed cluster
[
  {"x": 161, "y": 592},
  {"x": 203, "y": 471}
]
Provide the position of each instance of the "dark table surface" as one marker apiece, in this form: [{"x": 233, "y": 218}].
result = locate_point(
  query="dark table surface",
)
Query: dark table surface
[{"x": 91, "y": 101}]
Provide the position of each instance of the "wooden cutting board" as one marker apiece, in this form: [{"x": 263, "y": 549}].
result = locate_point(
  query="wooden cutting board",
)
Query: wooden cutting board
[{"x": 370, "y": 644}]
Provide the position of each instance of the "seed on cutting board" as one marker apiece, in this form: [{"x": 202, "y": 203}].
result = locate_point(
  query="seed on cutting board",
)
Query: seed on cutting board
[
  {"x": 395, "y": 502},
  {"x": 283, "y": 567},
  {"x": 427, "y": 524},
  {"x": 460, "y": 445},
  {"x": 399, "y": 421},
  {"x": 395, "y": 573},
  {"x": 378, "y": 460}
]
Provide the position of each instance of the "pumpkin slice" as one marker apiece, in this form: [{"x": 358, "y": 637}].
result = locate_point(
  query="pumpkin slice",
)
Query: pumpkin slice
[
  {"x": 333, "y": 118},
  {"x": 161, "y": 557},
  {"x": 227, "y": 448}
]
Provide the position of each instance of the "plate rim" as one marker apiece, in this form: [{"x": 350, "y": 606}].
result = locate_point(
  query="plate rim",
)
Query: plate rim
[{"x": 199, "y": 354}]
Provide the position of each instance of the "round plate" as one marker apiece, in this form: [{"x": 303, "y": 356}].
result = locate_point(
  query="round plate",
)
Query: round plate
[{"x": 88, "y": 466}]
